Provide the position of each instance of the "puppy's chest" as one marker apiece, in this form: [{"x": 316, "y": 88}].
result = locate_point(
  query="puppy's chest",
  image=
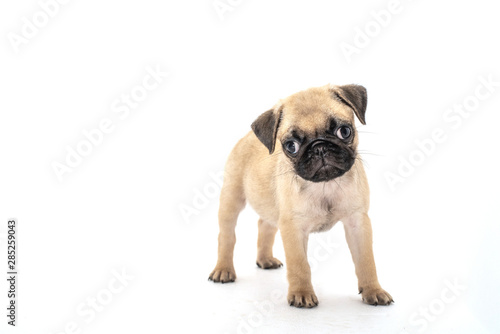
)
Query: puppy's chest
[{"x": 325, "y": 204}]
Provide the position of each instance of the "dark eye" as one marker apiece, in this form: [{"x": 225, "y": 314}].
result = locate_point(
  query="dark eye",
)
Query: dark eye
[
  {"x": 292, "y": 146},
  {"x": 343, "y": 132}
]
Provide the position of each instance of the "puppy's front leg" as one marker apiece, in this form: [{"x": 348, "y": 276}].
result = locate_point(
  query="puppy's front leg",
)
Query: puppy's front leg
[
  {"x": 358, "y": 231},
  {"x": 300, "y": 290},
  {"x": 231, "y": 204}
]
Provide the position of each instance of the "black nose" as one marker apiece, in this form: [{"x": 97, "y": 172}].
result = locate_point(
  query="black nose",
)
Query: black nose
[
  {"x": 320, "y": 147},
  {"x": 319, "y": 150}
]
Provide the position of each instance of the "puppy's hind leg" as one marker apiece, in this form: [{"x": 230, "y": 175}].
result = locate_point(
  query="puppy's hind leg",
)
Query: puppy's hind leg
[
  {"x": 265, "y": 259},
  {"x": 232, "y": 201}
]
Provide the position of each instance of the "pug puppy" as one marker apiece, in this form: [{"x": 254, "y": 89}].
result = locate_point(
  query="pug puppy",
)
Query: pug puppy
[{"x": 300, "y": 171}]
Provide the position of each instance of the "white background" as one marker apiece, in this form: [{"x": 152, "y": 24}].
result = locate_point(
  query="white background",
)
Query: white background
[{"x": 120, "y": 208}]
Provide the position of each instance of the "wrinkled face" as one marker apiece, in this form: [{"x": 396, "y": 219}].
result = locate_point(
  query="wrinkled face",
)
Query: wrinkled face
[
  {"x": 321, "y": 155},
  {"x": 315, "y": 130}
]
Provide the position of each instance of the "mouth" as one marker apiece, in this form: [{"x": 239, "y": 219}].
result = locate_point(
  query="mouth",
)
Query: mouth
[
  {"x": 324, "y": 169},
  {"x": 327, "y": 172}
]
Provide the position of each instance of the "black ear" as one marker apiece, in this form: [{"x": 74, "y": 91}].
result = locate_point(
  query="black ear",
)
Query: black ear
[
  {"x": 266, "y": 126},
  {"x": 355, "y": 97}
]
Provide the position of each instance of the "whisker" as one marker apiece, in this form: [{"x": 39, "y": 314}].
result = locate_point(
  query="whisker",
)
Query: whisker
[
  {"x": 338, "y": 184},
  {"x": 283, "y": 173},
  {"x": 364, "y": 163},
  {"x": 370, "y": 153},
  {"x": 273, "y": 155}
]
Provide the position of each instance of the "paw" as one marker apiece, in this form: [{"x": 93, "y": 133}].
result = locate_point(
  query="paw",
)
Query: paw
[
  {"x": 269, "y": 263},
  {"x": 223, "y": 275},
  {"x": 302, "y": 299},
  {"x": 375, "y": 296}
]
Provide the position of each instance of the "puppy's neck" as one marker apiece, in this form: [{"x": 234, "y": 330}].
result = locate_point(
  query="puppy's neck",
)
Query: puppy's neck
[
  {"x": 328, "y": 188},
  {"x": 325, "y": 199}
]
